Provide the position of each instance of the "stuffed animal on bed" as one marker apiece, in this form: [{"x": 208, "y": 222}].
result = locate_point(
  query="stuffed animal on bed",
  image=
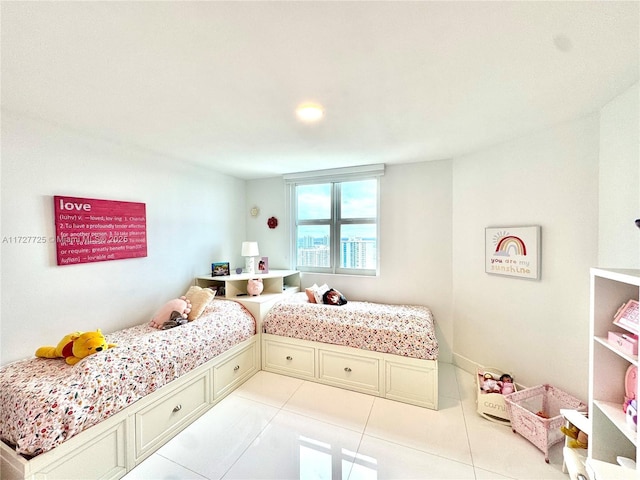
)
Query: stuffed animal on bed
[
  {"x": 76, "y": 346},
  {"x": 175, "y": 320},
  {"x": 181, "y": 305},
  {"x": 333, "y": 297}
]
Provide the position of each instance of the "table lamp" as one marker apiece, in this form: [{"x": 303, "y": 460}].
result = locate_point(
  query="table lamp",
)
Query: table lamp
[{"x": 250, "y": 250}]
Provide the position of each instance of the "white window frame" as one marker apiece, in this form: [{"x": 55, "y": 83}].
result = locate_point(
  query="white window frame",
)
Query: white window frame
[{"x": 335, "y": 176}]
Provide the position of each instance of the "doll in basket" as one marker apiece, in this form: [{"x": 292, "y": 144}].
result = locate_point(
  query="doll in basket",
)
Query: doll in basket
[
  {"x": 504, "y": 386},
  {"x": 507, "y": 384}
]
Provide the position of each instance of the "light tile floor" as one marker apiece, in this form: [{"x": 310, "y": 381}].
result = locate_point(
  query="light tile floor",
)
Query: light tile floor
[{"x": 277, "y": 427}]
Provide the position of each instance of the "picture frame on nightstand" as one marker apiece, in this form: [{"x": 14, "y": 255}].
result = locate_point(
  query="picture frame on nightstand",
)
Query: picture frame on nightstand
[
  {"x": 263, "y": 265},
  {"x": 219, "y": 269}
]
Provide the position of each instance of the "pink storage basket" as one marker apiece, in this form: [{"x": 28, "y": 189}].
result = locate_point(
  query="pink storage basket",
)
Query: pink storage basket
[{"x": 523, "y": 407}]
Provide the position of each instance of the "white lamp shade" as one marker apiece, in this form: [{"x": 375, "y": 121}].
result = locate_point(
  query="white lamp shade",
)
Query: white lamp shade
[{"x": 250, "y": 249}]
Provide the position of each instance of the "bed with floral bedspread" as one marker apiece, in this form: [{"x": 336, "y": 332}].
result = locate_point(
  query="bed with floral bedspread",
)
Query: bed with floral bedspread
[
  {"x": 406, "y": 330},
  {"x": 45, "y": 401}
]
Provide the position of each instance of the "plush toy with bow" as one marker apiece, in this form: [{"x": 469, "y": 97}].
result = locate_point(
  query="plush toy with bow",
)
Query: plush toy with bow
[
  {"x": 181, "y": 305},
  {"x": 76, "y": 346}
]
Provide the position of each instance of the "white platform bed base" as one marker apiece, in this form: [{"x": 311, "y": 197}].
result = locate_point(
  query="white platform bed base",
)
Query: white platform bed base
[
  {"x": 115, "y": 446},
  {"x": 408, "y": 380}
]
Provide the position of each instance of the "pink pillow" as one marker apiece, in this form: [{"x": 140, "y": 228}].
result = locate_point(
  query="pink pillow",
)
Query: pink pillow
[{"x": 309, "y": 291}]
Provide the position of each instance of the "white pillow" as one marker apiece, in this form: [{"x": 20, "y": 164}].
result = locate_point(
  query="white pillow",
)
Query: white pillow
[{"x": 310, "y": 293}]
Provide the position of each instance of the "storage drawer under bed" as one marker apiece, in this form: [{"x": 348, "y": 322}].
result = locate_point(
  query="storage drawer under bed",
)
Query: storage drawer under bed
[
  {"x": 289, "y": 359},
  {"x": 354, "y": 371},
  {"x": 233, "y": 371},
  {"x": 405, "y": 379},
  {"x": 163, "y": 418}
]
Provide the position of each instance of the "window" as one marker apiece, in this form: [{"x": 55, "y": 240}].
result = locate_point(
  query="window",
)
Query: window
[{"x": 335, "y": 218}]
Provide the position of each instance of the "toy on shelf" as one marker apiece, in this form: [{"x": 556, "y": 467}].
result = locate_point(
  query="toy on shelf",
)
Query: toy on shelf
[
  {"x": 630, "y": 386},
  {"x": 631, "y": 414},
  {"x": 577, "y": 438},
  {"x": 627, "y": 316}
]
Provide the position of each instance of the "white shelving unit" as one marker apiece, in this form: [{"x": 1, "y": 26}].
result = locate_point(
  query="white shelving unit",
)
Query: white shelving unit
[
  {"x": 610, "y": 435},
  {"x": 276, "y": 284},
  {"x": 276, "y": 281}
]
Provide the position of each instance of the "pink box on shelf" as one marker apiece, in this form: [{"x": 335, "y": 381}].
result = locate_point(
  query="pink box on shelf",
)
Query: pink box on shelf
[{"x": 625, "y": 342}]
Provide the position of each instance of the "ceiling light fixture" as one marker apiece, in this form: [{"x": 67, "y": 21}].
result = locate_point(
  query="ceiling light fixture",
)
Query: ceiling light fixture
[{"x": 309, "y": 112}]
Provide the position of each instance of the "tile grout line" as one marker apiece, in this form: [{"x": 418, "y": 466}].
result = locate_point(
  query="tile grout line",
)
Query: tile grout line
[
  {"x": 179, "y": 465},
  {"x": 362, "y": 434},
  {"x": 279, "y": 409},
  {"x": 466, "y": 426}
]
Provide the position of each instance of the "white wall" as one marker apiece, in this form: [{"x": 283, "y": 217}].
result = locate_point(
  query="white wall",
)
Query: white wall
[
  {"x": 537, "y": 330},
  {"x": 619, "y": 239},
  {"x": 192, "y": 219},
  {"x": 415, "y": 242},
  {"x": 269, "y": 196}
]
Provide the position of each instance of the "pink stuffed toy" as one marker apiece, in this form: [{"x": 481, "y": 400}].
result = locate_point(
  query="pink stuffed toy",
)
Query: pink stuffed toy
[{"x": 181, "y": 305}]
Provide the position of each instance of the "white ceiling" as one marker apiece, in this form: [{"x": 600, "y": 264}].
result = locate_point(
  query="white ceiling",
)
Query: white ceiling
[{"x": 216, "y": 83}]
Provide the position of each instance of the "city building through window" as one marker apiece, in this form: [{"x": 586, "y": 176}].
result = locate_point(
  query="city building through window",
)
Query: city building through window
[{"x": 336, "y": 221}]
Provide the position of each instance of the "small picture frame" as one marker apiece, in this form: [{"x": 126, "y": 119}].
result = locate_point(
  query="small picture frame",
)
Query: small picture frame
[
  {"x": 627, "y": 316},
  {"x": 263, "y": 265},
  {"x": 220, "y": 269}
]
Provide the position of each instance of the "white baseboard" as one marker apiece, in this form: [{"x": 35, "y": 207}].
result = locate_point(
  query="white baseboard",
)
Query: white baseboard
[{"x": 465, "y": 363}]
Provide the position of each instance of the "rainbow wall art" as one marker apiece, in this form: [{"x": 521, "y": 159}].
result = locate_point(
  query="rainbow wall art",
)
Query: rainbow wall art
[
  {"x": 513, "y": 251},
  {"x": 511, "y": 245}
]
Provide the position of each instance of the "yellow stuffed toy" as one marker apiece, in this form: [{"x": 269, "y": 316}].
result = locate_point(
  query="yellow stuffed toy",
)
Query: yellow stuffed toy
[
  {"x": 75, "y": 346},
  {"x": 577, "y": 438}
]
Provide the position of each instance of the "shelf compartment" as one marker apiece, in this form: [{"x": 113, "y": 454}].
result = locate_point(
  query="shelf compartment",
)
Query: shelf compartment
[
  {"x": 608, "y": 295},
  {"x": 608, "y": 371},
  {"x": 235, "y": 285},
  {"x": 629, "y": 358},
  {"x": 610, "y": 435},
  {"x": 613, "y": 411}
]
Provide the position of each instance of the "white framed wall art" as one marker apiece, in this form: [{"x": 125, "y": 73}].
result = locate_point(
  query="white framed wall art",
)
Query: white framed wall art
[{"x": 513, "y": 251}]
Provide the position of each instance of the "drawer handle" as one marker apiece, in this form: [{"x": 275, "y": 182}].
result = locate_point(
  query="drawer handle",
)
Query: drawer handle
[
  {"x": 347, "y": 369},
  {"x": 236, "y": 368},
  {"x": 177, "y": 408},
  {"x": 289, "y": 357}
]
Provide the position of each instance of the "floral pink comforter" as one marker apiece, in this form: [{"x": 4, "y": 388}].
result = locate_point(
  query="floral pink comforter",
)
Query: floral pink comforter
[
  {"x": 406, "y": 330},
  {"x": 45, "y": 401}
]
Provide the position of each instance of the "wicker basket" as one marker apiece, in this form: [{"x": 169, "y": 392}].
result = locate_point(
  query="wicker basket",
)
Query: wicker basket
[{"x": 526, "y": 407}]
